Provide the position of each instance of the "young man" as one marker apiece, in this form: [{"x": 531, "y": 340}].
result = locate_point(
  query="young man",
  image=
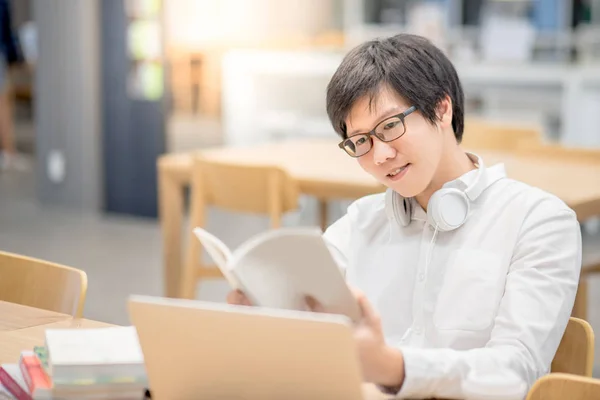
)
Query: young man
[{"x": 457, "y": 267}]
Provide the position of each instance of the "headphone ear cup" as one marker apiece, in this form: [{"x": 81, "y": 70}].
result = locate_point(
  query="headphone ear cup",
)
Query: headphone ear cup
[
  {"x": 448, "y": 209},
  {"x": 397, "y": 208},
  {"x": 389, "y": 205},
  {"x": 404, "y": 210}
]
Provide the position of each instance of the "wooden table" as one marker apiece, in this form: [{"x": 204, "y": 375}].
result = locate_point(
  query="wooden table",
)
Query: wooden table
[
  {"x": 13, "y": 316},
  {"x": 22, "y": 328},
  {"x": 327, "y": 173}
]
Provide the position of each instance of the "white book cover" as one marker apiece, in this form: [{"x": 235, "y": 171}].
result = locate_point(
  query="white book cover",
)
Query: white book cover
[
  {"x": 111, "y": 345},
  {"x": 279, "y": 267}
]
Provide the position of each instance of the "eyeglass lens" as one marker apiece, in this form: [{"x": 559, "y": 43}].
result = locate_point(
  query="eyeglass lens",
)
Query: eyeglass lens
[{"x": 386, "y": 131}]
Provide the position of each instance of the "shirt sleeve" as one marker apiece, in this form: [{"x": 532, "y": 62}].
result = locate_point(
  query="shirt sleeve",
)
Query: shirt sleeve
[
  {"x": 534, "y": 311},
  {"x": 337, "y": 238}
]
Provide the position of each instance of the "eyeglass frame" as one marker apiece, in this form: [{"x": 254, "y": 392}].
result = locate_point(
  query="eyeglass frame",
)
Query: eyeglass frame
[{"x": 372, "y": 132}]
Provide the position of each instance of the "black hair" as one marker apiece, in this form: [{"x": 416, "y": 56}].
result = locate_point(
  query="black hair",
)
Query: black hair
[{"x": 408, "y": 64}]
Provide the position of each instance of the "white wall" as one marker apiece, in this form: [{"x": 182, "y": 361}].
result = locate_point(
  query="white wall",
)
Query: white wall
[{"x": 201, "y": 23}]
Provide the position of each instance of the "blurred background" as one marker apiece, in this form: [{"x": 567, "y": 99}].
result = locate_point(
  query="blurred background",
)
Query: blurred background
[{"x": 94, "y": 92}]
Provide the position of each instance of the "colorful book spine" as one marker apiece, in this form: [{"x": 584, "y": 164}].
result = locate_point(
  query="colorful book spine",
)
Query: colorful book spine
[
  {"x": 33, "y": 373},
  {"x": 549, "y": 15},
  {"x": 42, "y": 353},
  {"x": 9, "y": 377}
]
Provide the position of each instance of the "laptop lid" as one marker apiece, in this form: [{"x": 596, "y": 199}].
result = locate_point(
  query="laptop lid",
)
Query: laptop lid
[{"x": 196, "y": 350}]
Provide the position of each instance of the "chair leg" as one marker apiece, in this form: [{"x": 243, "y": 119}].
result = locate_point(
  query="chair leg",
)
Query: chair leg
[
  {"x": 581, "y": 300},
  {"x": 188, "y": 278},
  {"x": 323, "y": 214}
]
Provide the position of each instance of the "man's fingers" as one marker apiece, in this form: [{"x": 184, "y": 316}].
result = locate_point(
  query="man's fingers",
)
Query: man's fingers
[
  {"x": 313, "y": 304},
  {"x": 364, "y": 305},
  {"x": 232, "y": 297},
  {"x": 238, "y": 297}
]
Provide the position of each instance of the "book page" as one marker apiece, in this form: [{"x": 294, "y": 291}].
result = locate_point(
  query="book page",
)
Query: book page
[
  {"x": 114, "y": 345},
  {"x": 219, "y": 253},
  {"x": 280, "y": 267}
]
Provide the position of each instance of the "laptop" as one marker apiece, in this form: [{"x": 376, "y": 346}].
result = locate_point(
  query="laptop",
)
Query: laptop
[{"x": 203, "y": 350}]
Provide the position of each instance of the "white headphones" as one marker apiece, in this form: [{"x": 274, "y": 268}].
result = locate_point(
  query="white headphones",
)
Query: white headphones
[{"x": 449, "y": 207}]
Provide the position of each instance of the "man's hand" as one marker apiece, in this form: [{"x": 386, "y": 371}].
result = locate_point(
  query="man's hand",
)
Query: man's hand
[
  {"x": 237, "y": 297},
  {"x": 381, "y": 364}
]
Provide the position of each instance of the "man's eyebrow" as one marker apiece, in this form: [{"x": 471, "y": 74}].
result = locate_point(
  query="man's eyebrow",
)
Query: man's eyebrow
[{"x": 386, "y": 114}]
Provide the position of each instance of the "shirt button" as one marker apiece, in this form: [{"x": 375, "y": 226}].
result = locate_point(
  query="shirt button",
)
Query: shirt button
[{"x": 421, "y": 277}]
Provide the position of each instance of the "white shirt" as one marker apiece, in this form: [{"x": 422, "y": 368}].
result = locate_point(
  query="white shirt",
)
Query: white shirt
[{"x": 499, "y": 290}]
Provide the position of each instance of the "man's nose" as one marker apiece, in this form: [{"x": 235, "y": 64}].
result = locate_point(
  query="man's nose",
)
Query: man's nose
[{"x": 382, "y": 151}]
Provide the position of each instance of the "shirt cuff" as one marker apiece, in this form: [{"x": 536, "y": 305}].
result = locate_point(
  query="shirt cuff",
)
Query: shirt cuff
[{"x": 418, "y": 377}]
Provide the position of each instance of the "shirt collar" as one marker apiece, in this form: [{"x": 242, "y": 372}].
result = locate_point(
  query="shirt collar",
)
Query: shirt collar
[
  {"x": 462, "y": 183},
  {"x": 466, "y": 179}
]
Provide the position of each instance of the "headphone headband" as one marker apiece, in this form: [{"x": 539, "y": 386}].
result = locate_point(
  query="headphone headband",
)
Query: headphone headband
[
  {"x": 478, "y": 185},
  {"x": 448, "y": 207}
]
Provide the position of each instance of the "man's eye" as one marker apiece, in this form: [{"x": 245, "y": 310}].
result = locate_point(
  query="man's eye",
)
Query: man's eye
[
  {"x": 360, "y": 141},
  {"x": 391, "y": 125}
]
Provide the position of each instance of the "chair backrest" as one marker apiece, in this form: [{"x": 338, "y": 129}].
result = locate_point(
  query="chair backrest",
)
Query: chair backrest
[
  {"x": 575, "y": 354},
  {"x": 557, "y": 386},
  {"x": 250, "y": 188},
  {"x": 41, "y": 284},
  {"x": 492, "y": 135}
]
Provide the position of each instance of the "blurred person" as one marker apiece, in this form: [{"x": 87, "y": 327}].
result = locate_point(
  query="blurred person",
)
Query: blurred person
[
  {"x": 459, "y": 270},
  {"x": 9, "y": 57}
]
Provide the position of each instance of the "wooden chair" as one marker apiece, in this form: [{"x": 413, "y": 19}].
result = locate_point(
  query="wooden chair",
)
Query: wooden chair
[
  {"x": 41, "y": 284},
  {"x": 263, "y": 189},
  {"x": 491, "y": 135},
  {"x": 558, "y": 386},
  {"x": 591, "y": 257},
  {"x": 575, "y": 354}
]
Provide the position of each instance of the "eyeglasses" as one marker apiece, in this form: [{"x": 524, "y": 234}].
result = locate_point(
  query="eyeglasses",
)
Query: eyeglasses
[{"x": 387, "y": 130}]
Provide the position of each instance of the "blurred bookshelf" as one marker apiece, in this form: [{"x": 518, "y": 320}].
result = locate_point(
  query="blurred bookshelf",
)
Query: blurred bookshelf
[
  {"x": 535, "y": 61},
  {"x": 561, "y": 30},
  {"x": 531, "y": 60}
]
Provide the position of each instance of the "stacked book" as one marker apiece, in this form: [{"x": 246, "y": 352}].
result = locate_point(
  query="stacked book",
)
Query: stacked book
[{"x": 105, "y": 363}]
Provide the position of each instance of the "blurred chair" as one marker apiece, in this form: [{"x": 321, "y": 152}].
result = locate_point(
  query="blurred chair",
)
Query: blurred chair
[
  {"x": 41, "y": 284},
  {"x": 492, "y": 135},
  {"x": 557, "y": 151},
  {"x": 575, "y": 354},
  {"x": 591, "y": 255},
  {"x": 262, "y": 189},
  {"x": 558, "y": 386}
]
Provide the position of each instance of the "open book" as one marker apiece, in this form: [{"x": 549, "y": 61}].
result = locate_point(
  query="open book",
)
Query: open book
[{"x": 279, "y": 267}]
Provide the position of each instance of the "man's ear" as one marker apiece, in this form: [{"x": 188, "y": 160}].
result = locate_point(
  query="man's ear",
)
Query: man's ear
[{"x": 444, "y": 111}]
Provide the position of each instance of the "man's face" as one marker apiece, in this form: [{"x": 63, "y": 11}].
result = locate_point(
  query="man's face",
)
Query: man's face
[{"x": 407, "y": 164}]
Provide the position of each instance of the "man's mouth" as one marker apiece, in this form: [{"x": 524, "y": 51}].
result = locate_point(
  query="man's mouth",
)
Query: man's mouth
[{"x": 397, "y": 171}]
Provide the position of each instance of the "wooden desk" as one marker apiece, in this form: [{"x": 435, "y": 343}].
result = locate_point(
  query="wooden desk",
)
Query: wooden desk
[
  {"x": 326, "y": 172},
  {"x": 15, "y": 316},
  {"x": 27, "y": 326}
]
